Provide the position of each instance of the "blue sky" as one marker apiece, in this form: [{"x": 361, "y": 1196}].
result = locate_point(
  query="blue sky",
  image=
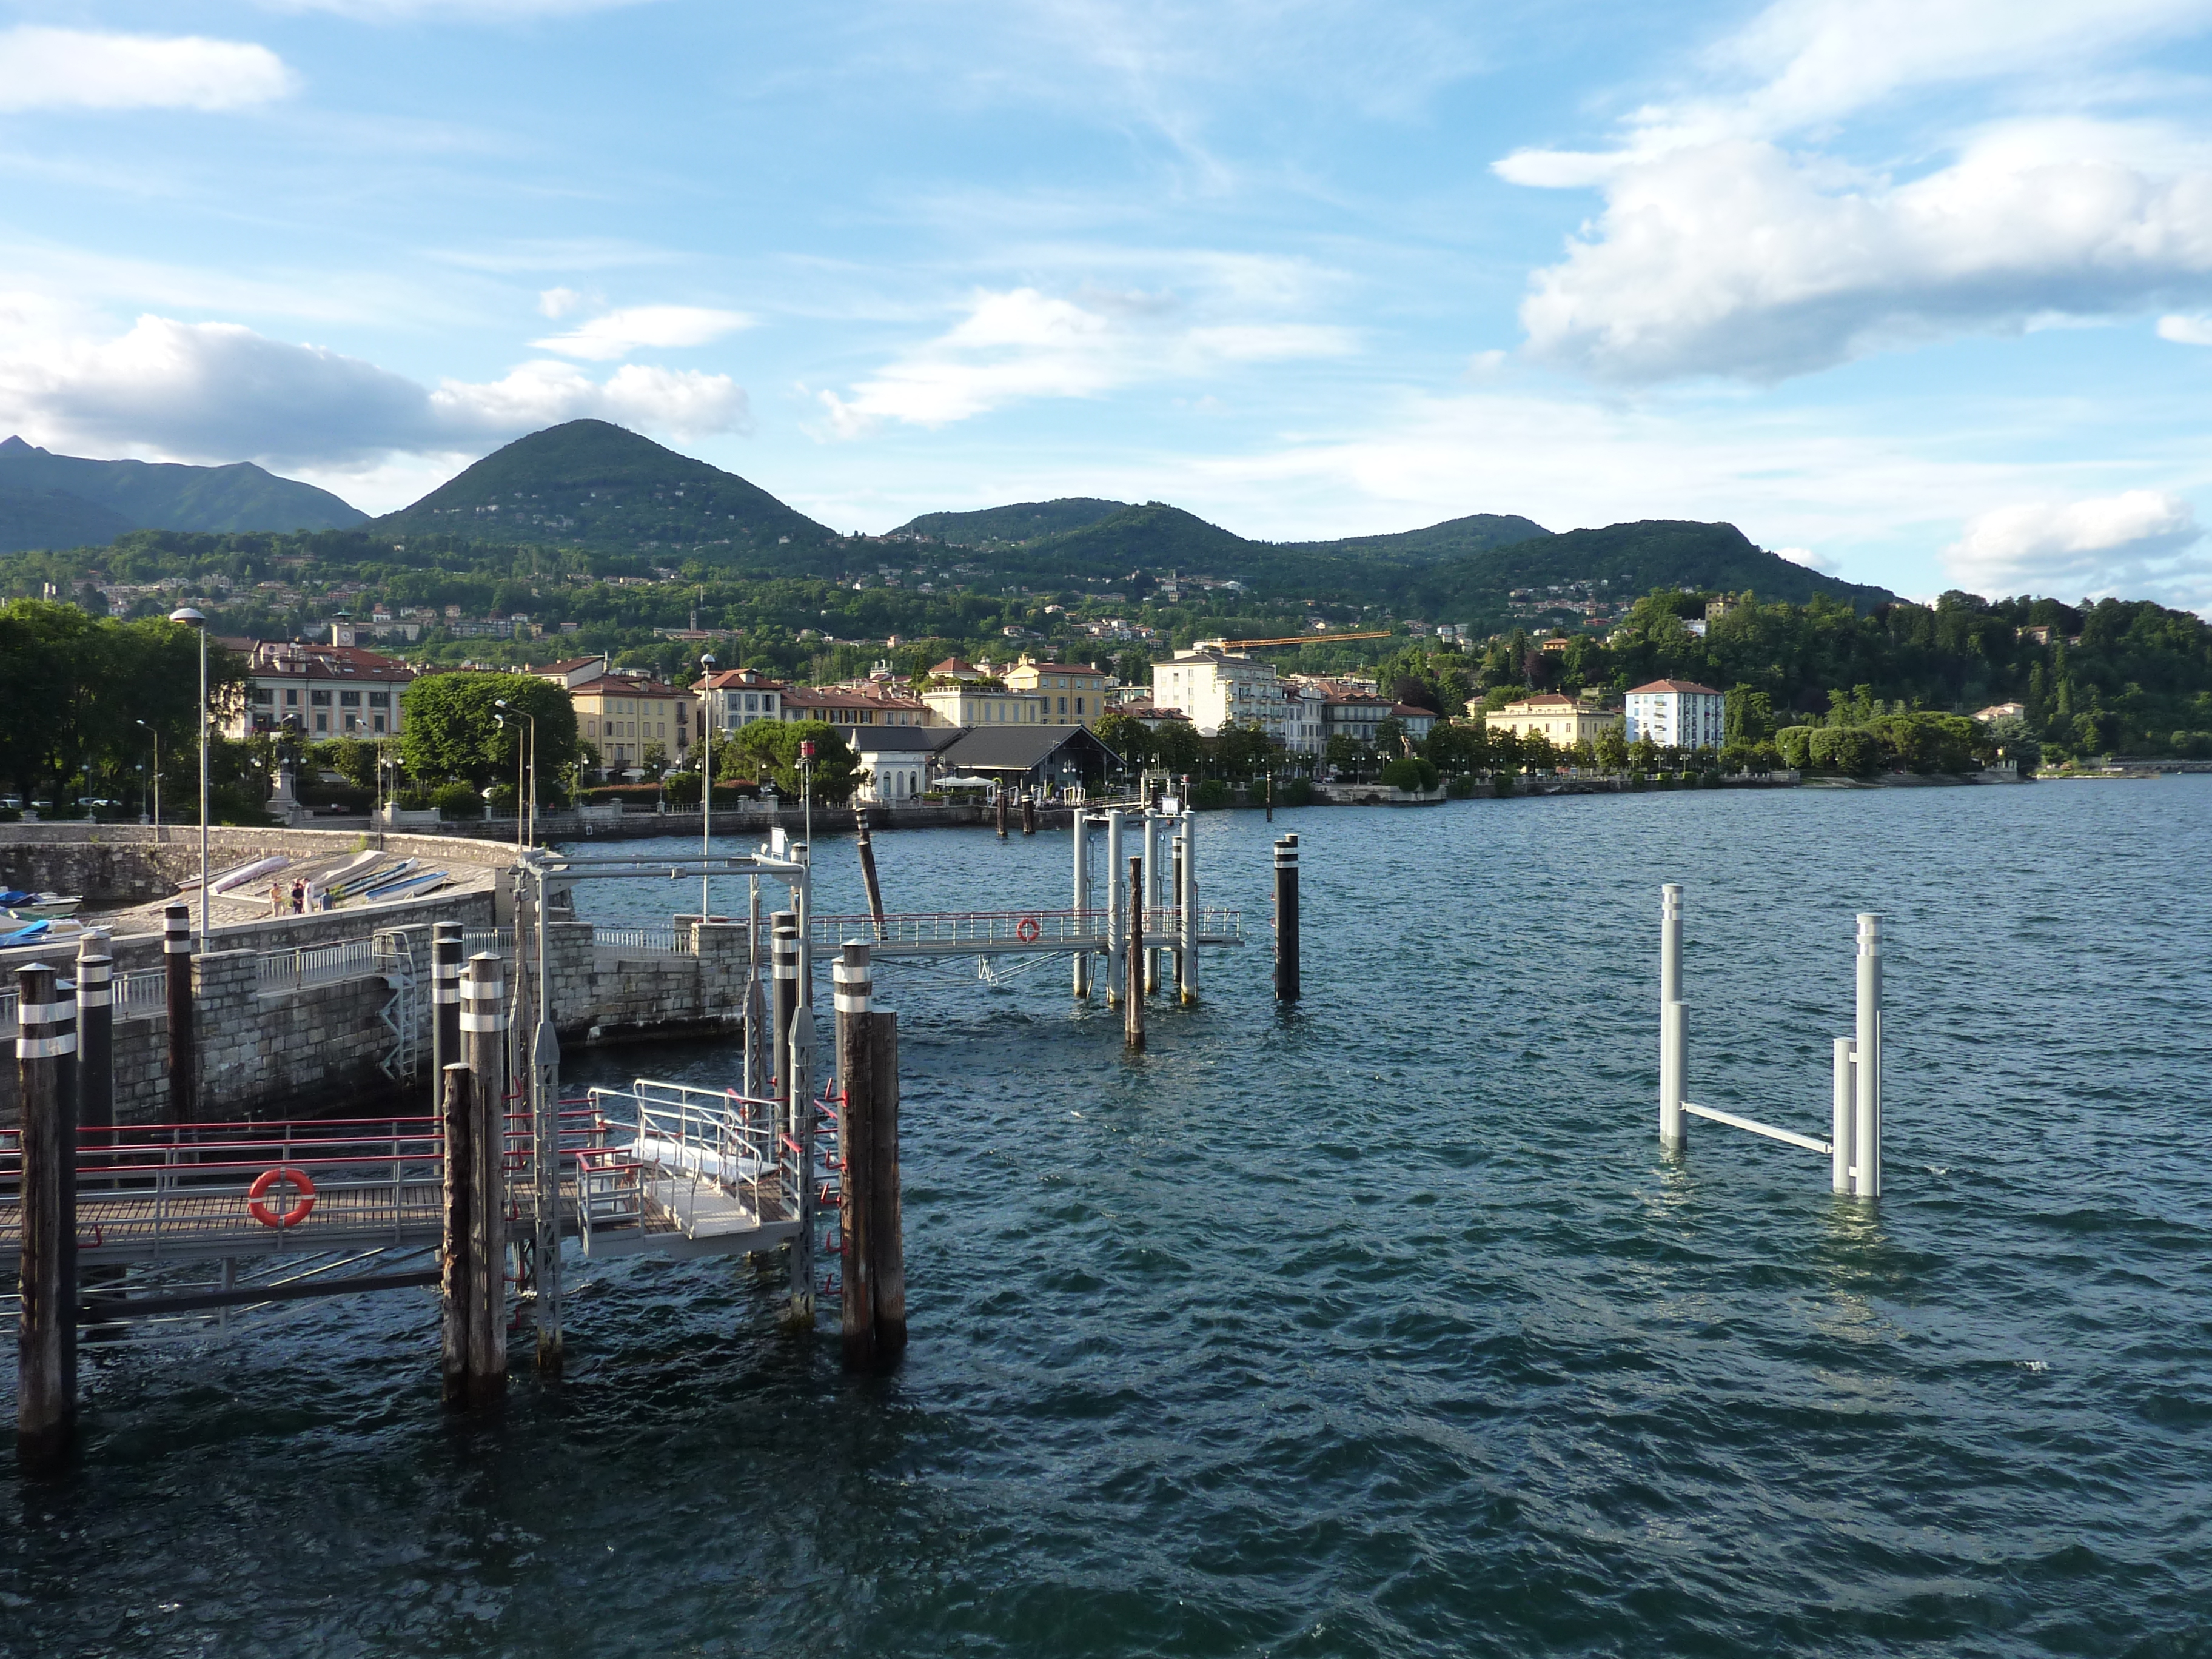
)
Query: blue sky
[{"x": 1920, "y": 292}]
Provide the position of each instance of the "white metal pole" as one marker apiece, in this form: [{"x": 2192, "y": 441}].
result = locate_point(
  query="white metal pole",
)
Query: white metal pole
[
  {"x": 1152, "y": 890},
  {"x": 1189, "y": 904},
  {"x": 204, "y": 788},
  {"x": 1081, "y": 822},
  {"x": 707, "y": 808},
  {"x": 1674, "y": 1042},
  {"x": 1117, "y": 976},
  {"x": 1867, "y": 1090},
  {"x": 1842, "y": 1119}
]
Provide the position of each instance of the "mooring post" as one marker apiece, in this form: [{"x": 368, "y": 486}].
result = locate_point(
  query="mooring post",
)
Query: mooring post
[
  {"x": 856, "y": 1126},
  {"x": 867, "y": 847},
  {"x": 458, "y": 1297},
  {"x": 1029, "y": 812},
  {"x": 1174, "y": 909},
  {"x": 1866, "y": 1130},
  {"x": 1080, "y": 821},
  {"x": 484, "y": 1035},
  {"x": 1187, "y": 904},
  {"x": 446, "y": 947},
  {"x": 1271, "y": 797},
  {"x": 788, "y": 1024},
  {"x": 758, "y": 1068},
  {"x": 1117, "y": 944},
  {"x": 184, "y": 1052},
  {"x": 1286, "y": 919},
  {"x": 1674, "y": 1040},
  {"x": 95, "y": 1040},
  {"x": 1132, "y": 993},
  {"x": 545, "y": 1126},
  {"x": 1002, "y": 812},
  {"x": 1843, "y": 1119},
  {"x": 783, "y": 1008},
  {"x": 887, "y": 1224},
  {"x": 45, "y": 1352}
]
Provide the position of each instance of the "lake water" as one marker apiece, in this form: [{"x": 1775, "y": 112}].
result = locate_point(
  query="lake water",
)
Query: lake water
[{"x": 1377, "y": 1326}]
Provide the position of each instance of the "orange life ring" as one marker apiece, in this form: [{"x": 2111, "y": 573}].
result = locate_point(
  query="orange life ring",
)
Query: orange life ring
[
  {"x": 291, "y": 1218},
  {"x": 1026, "y": 930}
]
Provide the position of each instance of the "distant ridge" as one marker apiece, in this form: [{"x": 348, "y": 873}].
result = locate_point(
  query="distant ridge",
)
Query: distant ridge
[
  {"x": 1023, "y": 521},
  {"x": 70, "y": 501},
  {"x": 591, "y": 483}
]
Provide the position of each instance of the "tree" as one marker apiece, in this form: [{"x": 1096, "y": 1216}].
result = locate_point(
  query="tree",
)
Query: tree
[
  {"x": 1127, "y": 737},
  {"x": 1611, "y": 749},
  {"x": 769, "y": 749},
  {"x": 452, "y": 728},
  {"x": 1747, "y": 717},
  {"x": 1133, "y": 668},
  {"x": 1240, "y": 750},
  {"x": 1177, "y": 748},
  {"x": 1343, "y": 753}
]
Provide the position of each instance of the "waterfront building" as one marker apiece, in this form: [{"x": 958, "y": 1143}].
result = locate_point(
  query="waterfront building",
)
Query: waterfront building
[
  {"x": 1341, "y": 707},
  {"x": 1068, "y": 691},
  {"x": 1676, "y": 713},
  {"x": 624, "y": 715},
  {"x": 1035, "y": 756},
  {"x": 982, "y": 702},
  {"x": 317, "y": 690},
  {"x": 899, "y": 764},
  {"x": 738, "y": 697},
  {"x": 865, "y": 704},
  {"x": 1216, "y": 686},
  {"x": 1564, "y": 721}
]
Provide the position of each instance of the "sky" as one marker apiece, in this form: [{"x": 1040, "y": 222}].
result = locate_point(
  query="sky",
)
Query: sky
[{"x": 1919, "y": 293}]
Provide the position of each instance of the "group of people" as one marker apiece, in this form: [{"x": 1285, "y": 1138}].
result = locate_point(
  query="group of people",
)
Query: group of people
[{"x": 305, "y": 897}]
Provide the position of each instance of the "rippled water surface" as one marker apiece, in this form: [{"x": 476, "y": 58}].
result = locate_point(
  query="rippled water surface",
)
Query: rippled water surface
[{"x": 1376, "y": 1328}]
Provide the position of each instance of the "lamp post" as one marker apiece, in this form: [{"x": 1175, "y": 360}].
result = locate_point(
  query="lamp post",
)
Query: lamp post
[
  {"x": 157, "y": 777},
  {"x": 501, "y": 702},
  {"x": 806, "y": 790},
  {"x": 193, "y": 619},
  {"x": 705, "y": 776}
]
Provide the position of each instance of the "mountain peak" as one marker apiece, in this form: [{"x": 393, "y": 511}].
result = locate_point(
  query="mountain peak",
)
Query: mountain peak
[{"x": 14, "y": 445}]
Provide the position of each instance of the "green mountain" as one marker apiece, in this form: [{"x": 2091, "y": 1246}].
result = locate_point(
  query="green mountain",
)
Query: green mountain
[
  {"x": 54, "y": 517},
  {"x": 591, "y": 484},
  {"x": 1476, "y": 533},
  {"x": 1024, "y": 521},
  {"x": 167, "y": 495}
]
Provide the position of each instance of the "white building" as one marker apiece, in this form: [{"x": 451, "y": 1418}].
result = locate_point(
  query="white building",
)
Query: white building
[
  {"x": 1216, "y": 686},
  {"x": 1676, "y": 713}
]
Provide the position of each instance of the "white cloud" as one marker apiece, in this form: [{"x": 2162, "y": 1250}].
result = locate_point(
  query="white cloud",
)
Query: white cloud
[
  {"x": 2143, "y": 543},
  {"x": 618, "y": 333},
  {"x": 1020, "y": 344},
  {"x": 1741, "y": 259},
  {"x": 1809, "y": 559},
  {"x": 1729, "y": 247},
  {"x": 77, "y": 69},
  {"x": 2186, "y": 331},
  {"x": 219, "y": 392},
  {"x": 557, "y": 302}
]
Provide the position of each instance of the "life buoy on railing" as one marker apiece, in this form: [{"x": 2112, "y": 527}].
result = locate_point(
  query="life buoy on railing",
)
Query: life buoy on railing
[
  {"x": 1026, "y": 929},
  {"x": 299, "y": 1210}
]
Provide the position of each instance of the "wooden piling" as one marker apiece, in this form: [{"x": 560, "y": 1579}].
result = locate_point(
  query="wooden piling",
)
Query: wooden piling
[
  {"x": 1002, "y": 812},
  {"x": 783, "y": 1009},
  {"x": 867, "y": 847},
  {"x": 1029, "y": 812},
  {"x": 45, "y": 1352},
  {"x": 1271, "y": 797},
  {"x": 887, "y": 1225},
  {"x": 483, "y": 1037},
  {"x": 856, "y": 1126},
  {"x": 184, "y": 1051},
  {"x": 1132, "y": 993},
  {"x": 1286, "y": 919},
  {"x": 457, "y": 1298},
  {"x": 95, "y": 1040},
  {"x": 446, "y": 946}
]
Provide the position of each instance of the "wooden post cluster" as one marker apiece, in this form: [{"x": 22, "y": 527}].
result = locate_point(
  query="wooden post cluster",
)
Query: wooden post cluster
[
  {"x": 1286, "y": 919},
  {"x": 184, "y": 1050},
  {"x": 45, "y": 1351},
  {"x": 473, "y": 1261},
  {"x": 1132, "y": 993},
  {"x": 874, "y": 1289}
]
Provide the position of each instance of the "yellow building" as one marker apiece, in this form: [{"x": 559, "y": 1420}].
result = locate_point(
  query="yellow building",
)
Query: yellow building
[
  {"x": 1564, "y": 721},
  {"x": 982, "y": 702},
  {"x": 622, "y": 716},
  {"x": 1072, "y": 693}
]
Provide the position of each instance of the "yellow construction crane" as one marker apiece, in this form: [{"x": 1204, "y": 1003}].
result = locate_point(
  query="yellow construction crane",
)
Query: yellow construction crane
[{"x": 1294, "y": 639}]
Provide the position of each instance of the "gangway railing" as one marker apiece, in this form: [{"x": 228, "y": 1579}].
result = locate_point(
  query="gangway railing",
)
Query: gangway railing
[
  {"x": 698, "y": 1161},
  {"x": 137, "y": 995}
]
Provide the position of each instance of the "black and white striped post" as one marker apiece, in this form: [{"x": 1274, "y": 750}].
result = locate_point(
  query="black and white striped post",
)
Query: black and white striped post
[
  {"x": 856, "y": 1124},
  {"x": 45, "y": 1351},
  {"x": 1286, "y": 919},
  {"x": 459, "y": 1297},
  {"x": 783, "y": 1009},
  {"x": 184, "y": 1049},
  {"x": 446, "y": 947},
  {"x": 484, "y": 1040},
  {"x": 1132, "y": 993},
  {"x": 1187, "y": 904},
  {"x": 1117, "y": 944},
  {"x": 95, "y": 1036}
]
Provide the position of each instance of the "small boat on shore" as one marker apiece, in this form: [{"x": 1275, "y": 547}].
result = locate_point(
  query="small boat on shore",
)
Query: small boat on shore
[{"x": 26, "y": 906}]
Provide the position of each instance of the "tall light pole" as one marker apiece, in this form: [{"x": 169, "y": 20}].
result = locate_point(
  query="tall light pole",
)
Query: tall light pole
[
  {"x": 706, "y": 776},
  {"x": 157, "y": 777},
  {"x": 193, "y": 619},
  {"x": 501, "y": 702}
]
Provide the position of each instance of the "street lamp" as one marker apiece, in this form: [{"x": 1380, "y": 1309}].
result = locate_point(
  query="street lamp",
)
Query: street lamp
[
  {"x": 501, "y": 702},
  {"x": 706, "y": 777},
  {"x": 193, "y": 619},
  {"x": 157, "y": 778}
]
